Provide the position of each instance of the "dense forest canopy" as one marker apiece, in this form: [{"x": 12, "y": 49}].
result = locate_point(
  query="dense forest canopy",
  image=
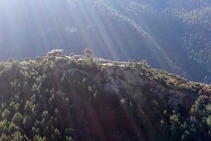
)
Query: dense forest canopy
[{"x": 82, "y": 97}]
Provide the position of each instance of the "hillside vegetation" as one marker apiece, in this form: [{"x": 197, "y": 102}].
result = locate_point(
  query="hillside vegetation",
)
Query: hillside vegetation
[
  {"x": 78, "y": 97},
  {"x": 171, "y": 35}
]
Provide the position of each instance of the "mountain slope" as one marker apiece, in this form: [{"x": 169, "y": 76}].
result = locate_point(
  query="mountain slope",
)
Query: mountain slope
[
  {"x": 170, "y": 35},
  {"x": 78, "y": 97},
  {"x": 180, "y": 29}
]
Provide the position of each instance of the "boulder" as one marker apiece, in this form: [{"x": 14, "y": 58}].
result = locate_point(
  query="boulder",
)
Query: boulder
[{"x": 56, "y": 52}]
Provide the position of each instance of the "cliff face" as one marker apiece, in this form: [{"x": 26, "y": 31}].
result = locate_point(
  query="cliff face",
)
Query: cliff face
[
  {"x": 132, "y": 78},
  {"x": 60, "y": 97}
]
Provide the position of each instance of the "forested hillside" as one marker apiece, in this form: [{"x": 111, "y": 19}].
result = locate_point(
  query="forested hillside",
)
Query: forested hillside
[
  {"x": 82, "y": 97},
  {"x": 180, "y": 30},
  {"x": 171, "y": 35}
]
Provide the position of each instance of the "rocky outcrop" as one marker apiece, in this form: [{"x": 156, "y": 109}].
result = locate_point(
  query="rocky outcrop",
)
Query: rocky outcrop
[
  {"x": 56, "y": 52},
  {"x": 132, "y": 78}
]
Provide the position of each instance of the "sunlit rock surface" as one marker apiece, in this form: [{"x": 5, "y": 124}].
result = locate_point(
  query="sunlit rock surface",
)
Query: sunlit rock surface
[
  {"x": 118, "y": 77},
  {"x": 56, "y": 52}
]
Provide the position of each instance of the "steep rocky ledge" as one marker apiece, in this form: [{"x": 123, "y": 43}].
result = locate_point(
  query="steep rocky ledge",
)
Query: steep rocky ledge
[{"x": 131, "y": 78}]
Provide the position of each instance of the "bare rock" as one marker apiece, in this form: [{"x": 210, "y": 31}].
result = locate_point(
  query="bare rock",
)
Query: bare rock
[{"x": 56, "y": 52}]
